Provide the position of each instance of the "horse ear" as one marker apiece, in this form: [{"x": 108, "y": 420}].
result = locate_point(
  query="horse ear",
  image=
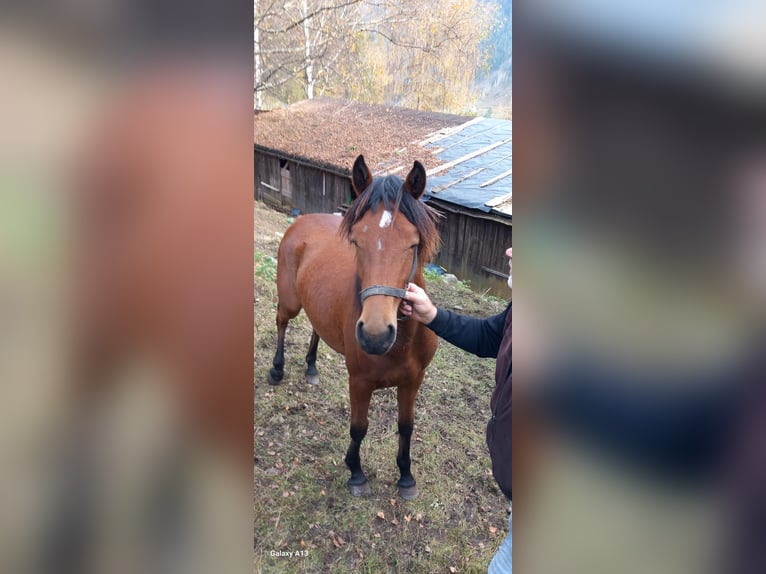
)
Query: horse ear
[
  {"x": 415, "y": 183},
  {"x": 361, "y": 176}
]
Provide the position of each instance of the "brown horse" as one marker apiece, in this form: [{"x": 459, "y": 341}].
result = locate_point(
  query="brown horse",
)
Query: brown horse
[{"x": 340, "y": 271}]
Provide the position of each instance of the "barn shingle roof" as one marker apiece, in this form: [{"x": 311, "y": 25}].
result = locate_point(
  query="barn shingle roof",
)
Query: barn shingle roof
[{"x": 333, "y": 132}]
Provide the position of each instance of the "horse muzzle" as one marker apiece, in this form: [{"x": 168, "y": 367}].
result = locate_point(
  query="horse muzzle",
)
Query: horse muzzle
[{"x": 375, "y": 343}]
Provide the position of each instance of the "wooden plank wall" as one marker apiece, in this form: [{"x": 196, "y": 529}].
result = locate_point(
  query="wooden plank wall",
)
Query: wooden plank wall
[
  {"x": 317, "y": 191},
  {"x": 311, "y": 189},
  {"x": 267, "y": 176},
  {"x": 470, "y": 243}
]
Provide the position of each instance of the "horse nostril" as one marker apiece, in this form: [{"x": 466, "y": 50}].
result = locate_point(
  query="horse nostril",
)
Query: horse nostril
[{"x": 391, "y": 330}]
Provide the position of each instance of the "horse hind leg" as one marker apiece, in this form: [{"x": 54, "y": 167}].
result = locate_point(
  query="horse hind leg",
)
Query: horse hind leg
[
  {"x": 288, "y": 307},
  {"x": 312, "y": 375},
  {"x": 277, "y": 372}
]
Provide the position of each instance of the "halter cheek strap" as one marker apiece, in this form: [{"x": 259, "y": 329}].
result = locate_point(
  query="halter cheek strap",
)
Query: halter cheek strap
[{"x": 391, "y": 291}]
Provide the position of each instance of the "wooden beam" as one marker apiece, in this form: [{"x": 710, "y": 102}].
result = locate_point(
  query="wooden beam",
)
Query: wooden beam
[
  {"x": 493, "y": 272},
  {"x": 498, "y": 200},
  {"x": 466, "y": 157},
  {"x": 271, "y": 187},
  {"x": 436, "y": 136},
  {"x": 391, "y": 171},
  {"x": 497, "y": 178},
  {"x": 441, "y": 188}
]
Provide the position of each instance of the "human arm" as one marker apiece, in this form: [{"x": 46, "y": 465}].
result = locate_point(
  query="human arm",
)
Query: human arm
[{"x": 480, "y": 337}]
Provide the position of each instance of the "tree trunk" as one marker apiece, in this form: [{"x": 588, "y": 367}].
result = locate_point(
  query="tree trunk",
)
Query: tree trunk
[
  {"x": 308, "y": 64},
  {"x": 258, "y": 68}
]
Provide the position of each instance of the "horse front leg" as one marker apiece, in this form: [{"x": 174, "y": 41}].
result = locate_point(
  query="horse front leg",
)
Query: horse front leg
[
  {"x": 406, "y": 402},
  {"x": 360, "y": 394}
]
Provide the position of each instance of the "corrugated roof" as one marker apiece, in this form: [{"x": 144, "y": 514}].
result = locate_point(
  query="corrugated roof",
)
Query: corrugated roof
[{"x": 477, "y": 166}]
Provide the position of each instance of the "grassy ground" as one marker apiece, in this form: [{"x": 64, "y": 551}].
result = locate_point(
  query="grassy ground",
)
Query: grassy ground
[{"x": 301, "y": 505}]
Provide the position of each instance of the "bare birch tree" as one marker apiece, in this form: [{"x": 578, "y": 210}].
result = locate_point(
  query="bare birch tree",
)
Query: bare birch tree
[{"x": 417, "y": 54}]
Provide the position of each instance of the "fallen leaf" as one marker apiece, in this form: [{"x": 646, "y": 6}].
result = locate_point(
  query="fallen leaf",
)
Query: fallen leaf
[
  {"x": 407, "y": 517},
  {"x": 392, "y": 501},
  {"x": 492, "y": 529},
  {"x": 303, "y": 543},
  {"x": 395, "y": 522},
  {"x": 452, "y": 569},
  {"x": 271, "y": 452},
  {"x": 418, "y": 517},
  {"x": 381, "y": 515},
  {"x": 428, "y": 548},
  {"x": 285, "y": 494},
  {"x": 376, "y": 535},
  {"x": 323, "y": 492},
  {"x": 336, "y": 540}
]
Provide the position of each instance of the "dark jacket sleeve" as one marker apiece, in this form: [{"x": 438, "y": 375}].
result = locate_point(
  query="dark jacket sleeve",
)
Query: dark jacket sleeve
[{"x": 478, "y": 336}]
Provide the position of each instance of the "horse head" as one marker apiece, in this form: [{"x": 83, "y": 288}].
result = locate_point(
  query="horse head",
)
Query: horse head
[{"x": 391, "y": 231}]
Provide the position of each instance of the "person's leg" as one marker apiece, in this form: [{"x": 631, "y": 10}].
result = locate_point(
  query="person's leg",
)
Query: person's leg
[{"x": 502, "y": 562}]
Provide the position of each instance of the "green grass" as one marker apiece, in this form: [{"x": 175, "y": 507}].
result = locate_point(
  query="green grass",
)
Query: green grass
[
  {"x": 265, "y": 266},
  {"x": 430, "y": 275},
  {"x": 301, "y": 502}
]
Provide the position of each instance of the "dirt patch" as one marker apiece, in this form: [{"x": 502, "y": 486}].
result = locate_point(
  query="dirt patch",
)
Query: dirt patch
[
  {"x": 301, "y": 504},
  {"x": 269, "y": 228}
]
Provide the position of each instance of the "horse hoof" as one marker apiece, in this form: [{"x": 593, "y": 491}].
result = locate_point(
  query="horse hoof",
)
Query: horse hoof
[
  {"x": 273, "y": 381},
  {"x": 312, "y": 379},
  {"x": 360, "y": 489},
  {"x": 409, "y": 492}
]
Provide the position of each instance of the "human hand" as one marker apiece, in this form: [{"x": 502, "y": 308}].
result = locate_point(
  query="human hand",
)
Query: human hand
[{"x": 417, "y": 304}]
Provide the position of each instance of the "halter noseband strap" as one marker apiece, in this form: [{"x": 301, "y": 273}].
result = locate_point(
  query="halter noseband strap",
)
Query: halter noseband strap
[{"x": 392, "y": 291}]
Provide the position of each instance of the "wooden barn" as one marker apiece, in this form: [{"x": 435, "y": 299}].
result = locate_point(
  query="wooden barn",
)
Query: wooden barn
[{"x": 303, "y": 155}]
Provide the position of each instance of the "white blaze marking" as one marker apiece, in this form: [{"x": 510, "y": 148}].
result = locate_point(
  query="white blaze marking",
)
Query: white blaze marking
[
  {"x": 380, "y": 245},
  {"x": 385, "y": 219}
]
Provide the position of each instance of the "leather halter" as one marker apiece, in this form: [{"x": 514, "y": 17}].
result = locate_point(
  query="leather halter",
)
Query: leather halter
[
  {"x": 392, "y": 291},
  {"x": 384, "y": 289}
]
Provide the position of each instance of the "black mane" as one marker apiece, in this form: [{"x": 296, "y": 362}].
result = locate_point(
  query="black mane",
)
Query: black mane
[{"x": 390, "y": 191}]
